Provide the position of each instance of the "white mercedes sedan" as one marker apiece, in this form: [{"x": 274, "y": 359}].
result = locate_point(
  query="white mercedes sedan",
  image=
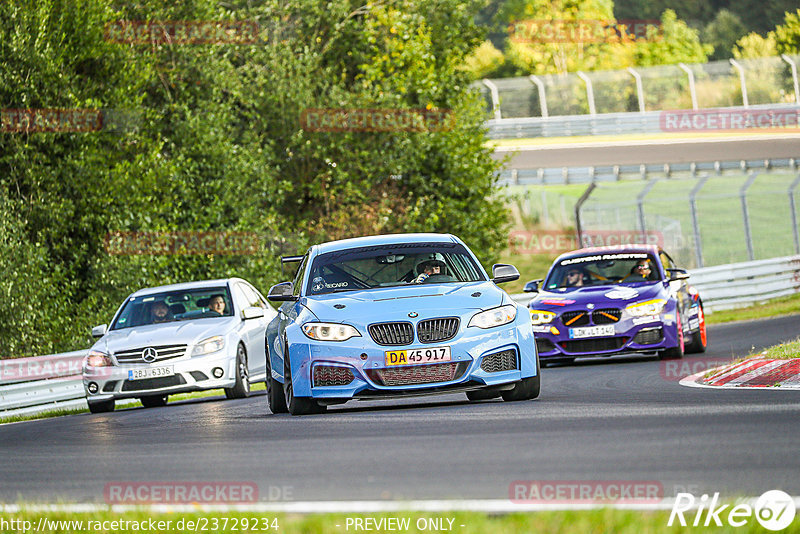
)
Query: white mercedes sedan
[{"x": 179, "y": 338}]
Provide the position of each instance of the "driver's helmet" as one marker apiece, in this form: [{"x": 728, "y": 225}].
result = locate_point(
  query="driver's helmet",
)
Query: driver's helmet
[{"x": 431, "y": 260}]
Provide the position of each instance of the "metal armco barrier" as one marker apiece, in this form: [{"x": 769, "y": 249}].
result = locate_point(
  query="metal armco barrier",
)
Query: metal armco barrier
[
  {"x": 29, "y": 385},
  {"x": 736, "y": 285}
]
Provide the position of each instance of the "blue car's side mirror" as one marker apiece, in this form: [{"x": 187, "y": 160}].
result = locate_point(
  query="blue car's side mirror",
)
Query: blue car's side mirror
[
  {"x": 281, "y": 292},
  {"x": 532, "y": 286}
]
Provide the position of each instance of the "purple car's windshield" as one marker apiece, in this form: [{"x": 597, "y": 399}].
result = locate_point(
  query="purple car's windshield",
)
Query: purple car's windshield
[
  {"x": 206, "y": 302},
  {"x": 392, "y": 265},
  {"x": 603, "y": 269}
]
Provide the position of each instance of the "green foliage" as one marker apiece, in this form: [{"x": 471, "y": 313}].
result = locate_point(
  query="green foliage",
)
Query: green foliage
[
  {"x": 218, "y": 146},
  {"x": 787, "y": 35},
  {"x": 678, "y": 44},
  {"x": 723, "y": 32},
  {"x": 753, "y": 46}
]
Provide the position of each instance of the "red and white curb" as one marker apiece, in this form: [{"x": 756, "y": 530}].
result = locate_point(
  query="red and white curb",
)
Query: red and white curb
[{"x": 751, "y": 373}]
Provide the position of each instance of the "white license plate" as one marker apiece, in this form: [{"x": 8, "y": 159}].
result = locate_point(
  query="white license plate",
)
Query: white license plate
[
  {"x": 417, "y": 356},
  {"x": 591, "y": 331},
  {"x": 150, "y": 372}
]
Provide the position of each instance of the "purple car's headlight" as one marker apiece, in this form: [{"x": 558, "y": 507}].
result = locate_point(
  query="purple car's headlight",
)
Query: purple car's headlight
[
  {"x": 542, "y": 317},
  {"x": 330, "y": 331},
  {"x": 650, "y": 307}
]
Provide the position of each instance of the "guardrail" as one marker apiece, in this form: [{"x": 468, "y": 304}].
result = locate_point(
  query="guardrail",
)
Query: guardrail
[
  {"x": 647, "y": 122},
  {"x": 721, "y": 287},
  {"x": 615, "y": 173},
  {"x": 724, "y": 287}
]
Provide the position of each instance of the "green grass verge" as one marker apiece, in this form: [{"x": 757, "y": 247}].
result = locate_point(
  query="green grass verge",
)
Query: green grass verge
[
  {"x": 785, "y": 351},
  {"x": 772, "y": 308},
  {"x": 585, "y": 522}
]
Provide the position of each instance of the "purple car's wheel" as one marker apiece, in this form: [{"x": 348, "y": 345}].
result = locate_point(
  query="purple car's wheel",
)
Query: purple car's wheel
[
  {"x": 676, "y": 352},
  {"x": 700, "y": 337}
]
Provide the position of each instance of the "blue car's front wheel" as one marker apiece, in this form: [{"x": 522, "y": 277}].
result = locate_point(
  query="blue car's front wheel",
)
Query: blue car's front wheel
[
  {"x": 296, "y": 405},
  {"x": 275, "y": 396}
]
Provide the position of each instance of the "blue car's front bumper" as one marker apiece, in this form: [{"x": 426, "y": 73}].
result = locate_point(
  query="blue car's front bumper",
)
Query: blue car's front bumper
[{"x": 366, "y": 361}]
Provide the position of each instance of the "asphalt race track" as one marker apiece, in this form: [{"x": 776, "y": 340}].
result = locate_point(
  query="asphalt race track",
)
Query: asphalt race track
[
  {"x": 651, "y": 152},
  {"x": 609, "y": 419}
]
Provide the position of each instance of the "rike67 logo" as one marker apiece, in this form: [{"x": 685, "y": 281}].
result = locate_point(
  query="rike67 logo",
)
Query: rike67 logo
[{"x": 774, "y": 510}]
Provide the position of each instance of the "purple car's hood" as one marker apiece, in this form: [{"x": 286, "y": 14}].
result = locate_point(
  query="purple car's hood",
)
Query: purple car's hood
[{"x": 611, "y": 296}]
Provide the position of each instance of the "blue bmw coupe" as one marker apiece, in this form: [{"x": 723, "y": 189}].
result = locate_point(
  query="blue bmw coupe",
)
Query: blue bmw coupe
[{"x": 394, "y": 316}]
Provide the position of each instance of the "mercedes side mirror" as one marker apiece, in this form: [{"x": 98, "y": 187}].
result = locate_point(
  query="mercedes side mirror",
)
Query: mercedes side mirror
[{"x": 99, "y": 330}]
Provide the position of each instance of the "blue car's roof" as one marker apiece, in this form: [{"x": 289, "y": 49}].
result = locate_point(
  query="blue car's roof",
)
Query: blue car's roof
[{"x": 388, "y": 239}]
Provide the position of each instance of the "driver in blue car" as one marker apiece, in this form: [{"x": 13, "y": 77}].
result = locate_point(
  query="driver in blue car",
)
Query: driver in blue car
[{"x": 428, "y": 268}]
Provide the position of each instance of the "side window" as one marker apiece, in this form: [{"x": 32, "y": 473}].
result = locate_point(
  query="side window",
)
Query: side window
[
  {"x": 666, "y": 260},
  {"x": 239, "y": 296},
  {"x": 298, "y": 279},
  {"x": 250, "y": 295}
]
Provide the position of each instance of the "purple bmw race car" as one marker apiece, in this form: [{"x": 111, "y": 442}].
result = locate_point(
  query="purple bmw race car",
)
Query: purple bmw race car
[{"x": 606, "y": 301}]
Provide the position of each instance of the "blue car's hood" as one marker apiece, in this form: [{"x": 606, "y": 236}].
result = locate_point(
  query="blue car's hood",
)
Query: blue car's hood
[
  {"x": 173, "y": 333},
  {"x": 611, "y": 296},
  {"x": 428, "y": 300}
]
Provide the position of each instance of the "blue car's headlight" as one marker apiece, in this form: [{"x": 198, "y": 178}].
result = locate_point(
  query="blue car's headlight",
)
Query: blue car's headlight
[
  {"x": 494, "y": 317},
  {"x": 650, "y": 307},
  {"x": 330, "y": 331},
  {"x": 207, "y": 346}
]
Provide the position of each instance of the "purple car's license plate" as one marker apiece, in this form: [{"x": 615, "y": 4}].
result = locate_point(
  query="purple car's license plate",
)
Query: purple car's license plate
[{"x": 591, "y": 331}]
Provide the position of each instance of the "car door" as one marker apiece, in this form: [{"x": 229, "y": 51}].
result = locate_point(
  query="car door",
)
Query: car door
[
  {"x": 289, "y": 311},
  {"x": 679, "y": 290},
  {"x": 254, "y": 330}
]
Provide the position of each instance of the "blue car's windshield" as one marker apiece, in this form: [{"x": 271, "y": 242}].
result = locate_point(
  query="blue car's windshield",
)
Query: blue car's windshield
[
  {"x": 392, "y": 265},
  {"x": 603, "y": 269},
  {"x": 174, "y": 306}
]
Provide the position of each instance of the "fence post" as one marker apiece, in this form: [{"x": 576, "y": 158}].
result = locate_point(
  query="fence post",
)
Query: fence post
[
  {"x": 748, "y": 236},
  {"x": 639, "y": 88},
  {"x": 692, "y": 91},
  {"x": 578, "y": 205},
  {"x": 640, "y": 204},
  {"x": 793, "y": 211},
  {"x": 495, "y": 97},
  {"x": 698, "y": 246},
  {"x": 742, "y": 82},
  {"x": 793, "y": 65},
  {"x": 589, "y": 91},
  {"x": 542, "y": 95}
]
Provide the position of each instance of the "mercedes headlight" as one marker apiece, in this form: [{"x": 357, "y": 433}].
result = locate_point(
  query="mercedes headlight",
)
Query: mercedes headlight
[
  {"x": 650, "y": 307},
  {"x": 494, "y": 317},
  {"x": 330, "y": 331},
  {"x": 207, "y": 346},
  {"x": 541, "y": 317},
  {"x": 95, "y": 358}
]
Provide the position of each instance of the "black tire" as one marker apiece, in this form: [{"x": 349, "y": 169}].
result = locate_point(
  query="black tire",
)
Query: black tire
[
  {"x": 483, "y": 394},
  {"x": 296, "y": 405},
  {"x": 241, "y": 389},
  {"x": 675, "y": 353},
  {"x": 154, "y": 401},
  {"x": 699, "y": 338},
  {"x": 275, "y": 398},
  {"x": 101, "y": 406},
  {"x": 526, "y": 389}
]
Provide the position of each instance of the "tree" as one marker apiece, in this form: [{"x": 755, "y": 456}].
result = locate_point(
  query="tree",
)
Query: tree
[
  {"x": 787, "y": 35},
  {"x": 723, "y": 32},
  {"x": 678, "y": 43}
]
